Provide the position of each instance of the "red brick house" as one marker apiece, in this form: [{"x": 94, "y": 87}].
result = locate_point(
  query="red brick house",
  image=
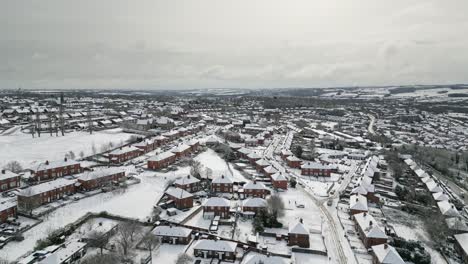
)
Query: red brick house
[
  {"x": 253, "y": 157},
  {"x": 91, "y": 180},
  {"x": 298, "y": 235},
  {"x": 461, "y": 245},
  {"x": 162, "y": 160},
  {"x": 51, "y": 170},
  {"x": 285, "y": 153},
  {"x": 124, "y": 154},
  {"x": 173, "y": 234},
  {"x": 8, "y": 208},
  {"x": 369, "y": 231},
  {"x": 243, "y": 152},
  {"x": 145, "y": 146},
  {"x": 222, "y": 184},
  {"x": 386, "y": 254},
  {"x": 317, "y": 169},
  {"x": 293, "y": 161},
  {"x": 194, "y": 145},
  {"x": 269, "y": 171},
  {"x": 216, "y": 206},
  {"x": 9, "y": 180},
  {"x": 188, "y": 183},
  {"x": 215, "y": 249},
  {"x": 43, "y": 193},
  {"x": 255, "y": 189},
  {"x": 357, "y": 204},
  {"x": 279, "y": 181},
  {"x": 252, "y": 206},
  {"x": 181, "y": 198},
  {"x": 182, "y": 151},
  {"x": 261, "y": 164},
  {"x": 160, "y": 140}
]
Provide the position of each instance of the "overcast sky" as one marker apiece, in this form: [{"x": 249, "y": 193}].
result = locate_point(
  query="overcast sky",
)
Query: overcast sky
[{"x": 237, "y": 43}]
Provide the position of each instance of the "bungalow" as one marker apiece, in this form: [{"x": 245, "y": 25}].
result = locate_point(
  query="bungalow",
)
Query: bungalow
[
  {"x": 181, "y": 151},
  {"x": 386, "y": 254},
  {"x": 162, "y": 160},
  {"x": 317, "y": 169},
  {"x": 293, "y": 161},
  {"x": 255, "y": 189},
  {"x": 51, "y": 170},
  {"x": 252, "y": 206},
  {"x": 357, "y": 204},
  {"x": 218, "y": 249},
  {"x": 369, "y": 231},
  {"x": 279, "y": 181},
  {"x": 123, "y": 154},
  {"x": 43, "y": 193},
  {"x": 173, "y": 234},
  {"x": 180, "y": 197},
  {"x": 298, "y": 235},
  {"x": 98, "y": 178},
  {"x": 188, "y": 183},
  {"x": 216, "y": 206},
  {"x": 8, "y": 208},
  {"x": 9, "y": 180},
  {"x": 222, "y": 184},
  {"x": 67, "y": 253}
]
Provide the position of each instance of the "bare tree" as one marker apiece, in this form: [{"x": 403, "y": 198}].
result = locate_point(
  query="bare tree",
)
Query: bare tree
[
  {"x": 275, "y": 206},
  {"x": 126, "y": 235},
  {"x": 81, "y": 154},
  {"x": 100, "y": 259},
  {"x": 71, "y": 154},
  {"x": 151, "y": 242},
  {"x": 13, "y": 166},
  {"x": 184, "y": 258},
  {"x": 156, "y": 214},
  {"x": 98, "y": 240},
  {"x": 195, "y": 168}
]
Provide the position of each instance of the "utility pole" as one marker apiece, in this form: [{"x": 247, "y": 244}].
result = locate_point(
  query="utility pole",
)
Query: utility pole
[
  {"x": 49, "y": 121},
  {"x": 38, "y": 123}
]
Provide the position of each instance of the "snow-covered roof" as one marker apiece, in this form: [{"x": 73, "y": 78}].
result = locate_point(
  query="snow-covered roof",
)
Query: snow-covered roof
[
  {"x": 270, "y": 169},
  {"x": 262, "y": 163},
  {"x": 172, "y": 231},
  {"x": 123, "y": 150},
  {"x": 317, "y": 166},
  {"x": 293, "y": 158},
  {"x": 99, "y": 173},
  {"x": 186, "y": 180},
  {"x": 298, "y": 228},
  {"x": 181, "y": 148},
  {"x": 369, "y": 225},
  {"x": 358, "y": 202},
  {"x": 255, "y": 258},
  {"x": 54, "y": 164},
  {"x": 440, "y": 196},
  {"x": 462, "y": 240},
  {"x": 253, "y": 155},
  {"x": 64, "y": 253},
  {"x": 217, "y": 201},
  {"x": 6, "y": 174},
  {"x": 223, "y": 179},
  {"x": 254, "y": 202},
  {"x": 433, "y": 187},
  {"x": 387, "y": 254},
  {"x": 162, "y": 156},
  {"x": 448, "y": 209},
  {"x": 46, "y": 186},
  {"x": 7, "y": 204},
  {"x": 253, "y": 185},
  {"x": 278, "y": 177},
  {"x": 216, "y": 245},
  {"x": 178, "y": 193}
]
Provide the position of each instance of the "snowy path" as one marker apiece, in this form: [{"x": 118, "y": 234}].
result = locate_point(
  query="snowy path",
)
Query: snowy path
[{"x": 371, "y": 124}]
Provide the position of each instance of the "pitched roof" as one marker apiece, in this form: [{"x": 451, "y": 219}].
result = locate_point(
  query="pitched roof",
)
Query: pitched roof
[
  {"x": 298, "y": 228},
  {"x": 216, "y": 201},
  {"x": 223, "y": 179},
  {"x": 173, "y": 231},
  {"x": 6, "y": 174},
  {"x": 369, "y": 226},
  {"x": 254, "y": 202},
  {"x": 254, "y": 186},
  {"x": 387, "y": 254},
  {"x": 178, "y": 193},
  {"x": 358, "y": 202},
  {"x": 186, "y": 180}
]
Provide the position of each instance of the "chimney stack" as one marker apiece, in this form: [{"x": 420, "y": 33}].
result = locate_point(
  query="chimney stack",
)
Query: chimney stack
[
  {"x": 370, "y": 223},
  {"x": 3, "y": 171},
  {"x": 47, "y": 162},
  {"x": 301, "y": 221},
  {"x": 65, "y": 159}
]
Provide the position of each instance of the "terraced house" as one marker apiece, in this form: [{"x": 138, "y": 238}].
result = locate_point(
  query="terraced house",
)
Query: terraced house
[{"x": 51, "y": 170}]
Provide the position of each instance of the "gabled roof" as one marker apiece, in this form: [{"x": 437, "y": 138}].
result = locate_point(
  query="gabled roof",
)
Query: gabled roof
[
  {"x": 358, "y": 202},
  {"x": 186, "y": 180},
  {"x": 6, "y": 174},
  {"x": 369, "y": 226}
]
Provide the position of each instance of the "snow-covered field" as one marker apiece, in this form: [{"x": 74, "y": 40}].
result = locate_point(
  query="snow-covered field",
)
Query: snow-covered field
[
  {"x": 26, "y": 150},
  {"x": 212, "y": 160}
]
